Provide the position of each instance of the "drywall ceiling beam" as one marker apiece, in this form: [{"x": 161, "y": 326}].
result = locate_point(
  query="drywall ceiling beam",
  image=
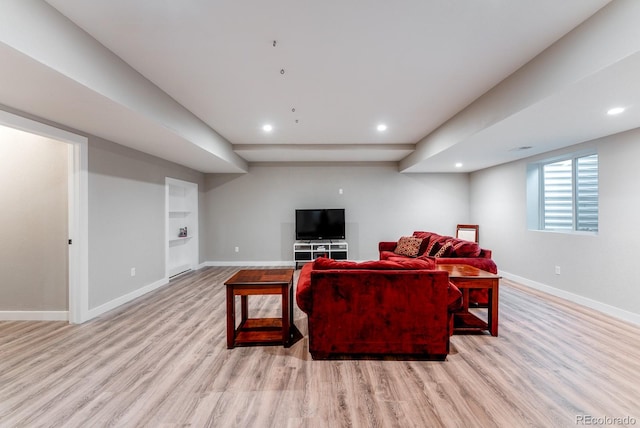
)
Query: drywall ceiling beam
[
  {"x": 37, "y": 30},
  {"x": 609, "y": 36}
]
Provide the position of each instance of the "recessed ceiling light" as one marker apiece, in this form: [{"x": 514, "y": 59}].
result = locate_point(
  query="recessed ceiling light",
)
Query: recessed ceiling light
[
  {"x": 458, "y": 164},
  {"x": 382, "y": 127},
  {"x": 267, "y": 128},
  {"x": 615, "y": 110}
]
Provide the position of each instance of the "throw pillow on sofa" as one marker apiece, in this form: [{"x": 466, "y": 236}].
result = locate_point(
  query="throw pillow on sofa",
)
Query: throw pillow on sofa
[
  {"x": 460, "y": 247},
  {"x": 463, "y": 248},
  {"x": 435, "y": 243},
  {"x": 408, "y": 246},
  {"x": 427, "y": 238},
  {"x": 440, "y": 249}
]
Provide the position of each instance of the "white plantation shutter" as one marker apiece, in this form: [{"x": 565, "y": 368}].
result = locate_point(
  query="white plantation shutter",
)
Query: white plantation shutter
[
  {"x": 558, "y": 196},
  {"x": 587, "y": 193},
  {"x": 570, "y": 194}
]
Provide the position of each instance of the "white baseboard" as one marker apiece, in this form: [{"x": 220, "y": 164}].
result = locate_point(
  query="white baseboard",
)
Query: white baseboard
[
  {"x": 64, "y": 315},
  {"x": 125, "y": 299},
  {"x": 34, "y": 315},
  {"x": 613, "y": 311}
]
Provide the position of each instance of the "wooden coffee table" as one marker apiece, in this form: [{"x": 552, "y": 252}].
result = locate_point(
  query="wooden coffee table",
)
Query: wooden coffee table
[
  {"x": 466, "y": 278},
  {"x": 260, "y": 331}
]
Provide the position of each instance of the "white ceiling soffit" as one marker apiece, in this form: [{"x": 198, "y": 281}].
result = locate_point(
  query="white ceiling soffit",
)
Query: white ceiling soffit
[
  {"x": 57, "y": 71},
  {"x": 575, "y": 114},
  {"x": 28, "y": 86},
  {"x": 336, "y": 71},
  {"x": 324, "y": 152}
]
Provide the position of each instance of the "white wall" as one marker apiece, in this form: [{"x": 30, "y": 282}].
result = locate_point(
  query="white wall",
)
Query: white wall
[
  {"x": 597, "y": 270},
  {"x": 126, "y": 224},
  {"x": 256, "y": 211},
  {"x": 127, "y": 219}
]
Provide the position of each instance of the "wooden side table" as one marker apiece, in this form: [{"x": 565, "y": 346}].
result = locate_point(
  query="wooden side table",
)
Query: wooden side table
[
  {"x": 260, "y": 331},
  {"x": 466, "y": 278}
]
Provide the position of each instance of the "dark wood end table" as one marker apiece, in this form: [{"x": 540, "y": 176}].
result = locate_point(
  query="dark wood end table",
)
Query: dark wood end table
[
  {"x": 466, "y": 278},
  {"x": 260, "y": 331}
]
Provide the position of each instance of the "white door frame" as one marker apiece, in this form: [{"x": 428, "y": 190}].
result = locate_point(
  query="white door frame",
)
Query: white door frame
[{"x": 78, "y": 208}]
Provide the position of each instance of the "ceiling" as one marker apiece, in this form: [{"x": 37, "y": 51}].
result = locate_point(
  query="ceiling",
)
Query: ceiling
[{"x": 325, "y": 74}]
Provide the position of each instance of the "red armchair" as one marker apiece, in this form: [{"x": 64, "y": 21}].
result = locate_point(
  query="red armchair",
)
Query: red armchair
[{"x": 377, "y": 308}]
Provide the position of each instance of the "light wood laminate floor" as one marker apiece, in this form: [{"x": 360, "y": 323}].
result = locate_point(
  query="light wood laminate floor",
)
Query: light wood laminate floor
[{"x": 162, "y": 361}]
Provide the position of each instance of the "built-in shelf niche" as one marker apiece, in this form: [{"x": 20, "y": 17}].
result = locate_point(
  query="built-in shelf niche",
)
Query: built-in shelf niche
[{"x": 181, "y": 212}]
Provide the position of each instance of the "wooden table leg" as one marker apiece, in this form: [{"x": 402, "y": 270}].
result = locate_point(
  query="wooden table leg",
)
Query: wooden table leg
[
  {"x": 244, "y": 308},
  {"x": 465, "y": 299},
  {"x": 493, "y": 308},
  {"x": 291, "y": 324},
  {"x": 231, "y": 318},
  {"x": 285, "y": 315}
]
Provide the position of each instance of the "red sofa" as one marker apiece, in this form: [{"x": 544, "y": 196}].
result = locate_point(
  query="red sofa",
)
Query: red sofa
[
  {"x": 457, "y": 251},
  {"x": 377, "y": 308}
]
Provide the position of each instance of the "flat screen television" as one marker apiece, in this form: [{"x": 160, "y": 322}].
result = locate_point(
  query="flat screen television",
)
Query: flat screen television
[{"x": 320, "y": 224}]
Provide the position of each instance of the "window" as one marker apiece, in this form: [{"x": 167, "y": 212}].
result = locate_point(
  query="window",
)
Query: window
[{"x": 562, "y": 194}]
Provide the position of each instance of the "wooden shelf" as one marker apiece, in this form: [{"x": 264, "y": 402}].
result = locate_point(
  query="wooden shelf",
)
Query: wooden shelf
[
  {"x": 466, "y": 322},
  {"x": 260, "y": 330}
]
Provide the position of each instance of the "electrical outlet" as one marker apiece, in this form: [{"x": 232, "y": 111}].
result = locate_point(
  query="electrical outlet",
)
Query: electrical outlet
[
  {"x": 557, "y": 270},
  {"x": 133, "y": 271},
  {"x": 237, "y": 249}
]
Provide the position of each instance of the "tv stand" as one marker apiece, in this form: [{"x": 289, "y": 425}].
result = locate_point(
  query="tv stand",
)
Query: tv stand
[{"x": 308, "y": 250}]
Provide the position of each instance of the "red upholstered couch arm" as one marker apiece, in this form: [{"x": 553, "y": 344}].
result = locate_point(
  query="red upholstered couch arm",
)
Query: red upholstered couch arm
[
  {"x": 387, "y": 246},
  {"x": 303, "y": 288}
]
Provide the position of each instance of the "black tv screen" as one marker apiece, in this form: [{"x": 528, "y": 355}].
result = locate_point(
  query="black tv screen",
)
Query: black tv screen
[{"x": 320, "y": 224}]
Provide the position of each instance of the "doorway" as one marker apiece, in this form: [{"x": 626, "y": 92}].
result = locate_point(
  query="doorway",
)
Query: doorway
[{"x": 77, "y": 185}]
